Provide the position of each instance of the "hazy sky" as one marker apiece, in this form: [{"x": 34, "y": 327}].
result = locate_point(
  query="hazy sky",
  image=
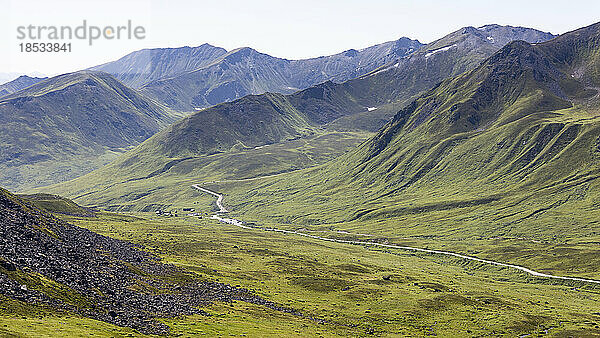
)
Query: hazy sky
[{"x": 288, "y": 29}]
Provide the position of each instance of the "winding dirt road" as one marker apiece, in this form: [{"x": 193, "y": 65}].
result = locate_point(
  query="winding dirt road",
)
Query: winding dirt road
[
  {"x": 219, "y": 197},
  {"x": 240, "y": 224}
]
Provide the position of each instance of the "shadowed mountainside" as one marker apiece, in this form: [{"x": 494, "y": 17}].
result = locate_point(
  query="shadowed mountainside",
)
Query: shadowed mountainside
[
  {"x": 246, "y": 71},
  {"x": 140, "y": 67}
]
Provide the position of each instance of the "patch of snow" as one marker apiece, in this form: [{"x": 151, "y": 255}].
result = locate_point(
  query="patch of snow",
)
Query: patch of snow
[
  {"x": 443, "y": 49},
  {"x": 292, "y": 88},
  {"x": 371, "y": 108},
  {"x": 196, "y": 108},
  {"x": 385, "y": 69},
  {"x": 396, "y": 65},
  {"x": 491, "y": 39}
]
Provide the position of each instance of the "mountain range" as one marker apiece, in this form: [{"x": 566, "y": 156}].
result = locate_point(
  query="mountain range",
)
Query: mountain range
[
  {"x": 365, "y": 103},
  {"x": 143, "y": 66},
  {"x": 18, "y": 84},
  {"x": 190, "y": 78},
  {"x": 245, "y": 71},
  {"x": 263, "y": 119},
  {"x": 134, "y": 115}
]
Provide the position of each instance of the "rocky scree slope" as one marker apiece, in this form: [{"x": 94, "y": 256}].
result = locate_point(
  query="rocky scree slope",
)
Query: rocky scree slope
[{"x": 45, "y": 261}]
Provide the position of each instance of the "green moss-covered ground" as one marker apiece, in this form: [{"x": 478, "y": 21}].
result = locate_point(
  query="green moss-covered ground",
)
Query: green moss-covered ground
[{"x": 355, "y": 290}]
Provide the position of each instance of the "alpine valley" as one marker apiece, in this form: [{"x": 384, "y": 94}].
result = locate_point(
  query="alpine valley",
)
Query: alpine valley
[{"x": 403, "y": 189}]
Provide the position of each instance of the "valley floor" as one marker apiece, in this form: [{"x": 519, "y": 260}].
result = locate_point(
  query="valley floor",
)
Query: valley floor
[
  {"x": 222, "y": 218},
  {"x": 347, "y": 289}
]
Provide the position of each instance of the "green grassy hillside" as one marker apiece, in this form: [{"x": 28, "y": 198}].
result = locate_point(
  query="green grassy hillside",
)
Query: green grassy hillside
[
  {"x": 143, "y": 181},
  {"x": 57, "y": 205},
  {"x": 287, "y": 132},
  {"x": 518, "y": 121},
  {"x": 68, "y": 125}
]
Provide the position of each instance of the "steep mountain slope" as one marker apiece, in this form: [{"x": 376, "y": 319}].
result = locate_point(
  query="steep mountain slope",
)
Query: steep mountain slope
[
  {"x": 519, "y": 132},
  {"x": 513, "y": 88},
  {"x": 59, "y": 128},
  {"x": 245, "y": 71},
  {"x": 46, "y": 262},
  {"x": 19, "y": 83},
  {"x": 514, "y": 84},
  {"x": 143, "y": 66},
  {"x": 238, "y": 73}
]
